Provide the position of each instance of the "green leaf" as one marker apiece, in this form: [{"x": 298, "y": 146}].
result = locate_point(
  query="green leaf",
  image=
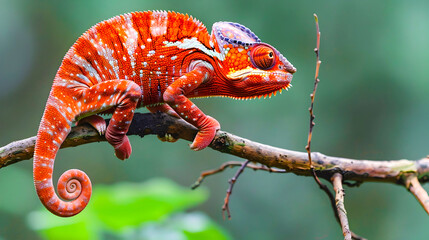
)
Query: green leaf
[
  {"x": 80, "y": 227},
  {"x": 128, "y": 204},
  {"x": 184, "y": 226},
  {"x": 199, "y": 226}
]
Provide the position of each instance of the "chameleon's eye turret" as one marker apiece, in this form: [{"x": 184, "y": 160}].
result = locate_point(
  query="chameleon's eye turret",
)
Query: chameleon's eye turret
[{"x": 263, "y": 57}]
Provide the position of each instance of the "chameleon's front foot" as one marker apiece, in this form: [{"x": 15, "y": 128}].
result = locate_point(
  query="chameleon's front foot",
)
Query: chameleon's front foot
[
  {"x": 175, "y": 97},
  {"x": 207, "y": 131}
]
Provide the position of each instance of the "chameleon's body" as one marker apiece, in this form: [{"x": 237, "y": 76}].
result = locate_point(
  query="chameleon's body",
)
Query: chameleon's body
[{"x": 147, "y": 59}]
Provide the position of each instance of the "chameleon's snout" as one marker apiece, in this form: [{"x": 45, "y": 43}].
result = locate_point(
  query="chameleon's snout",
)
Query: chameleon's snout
[{"x": 291, "y": 69}]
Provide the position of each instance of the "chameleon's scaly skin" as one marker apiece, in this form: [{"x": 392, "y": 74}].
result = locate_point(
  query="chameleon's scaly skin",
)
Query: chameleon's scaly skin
[{"x": 146, "y": 59}]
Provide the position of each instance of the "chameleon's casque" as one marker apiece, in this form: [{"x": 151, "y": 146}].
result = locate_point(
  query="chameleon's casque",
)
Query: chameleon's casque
[{"x": 154, "y": 59}]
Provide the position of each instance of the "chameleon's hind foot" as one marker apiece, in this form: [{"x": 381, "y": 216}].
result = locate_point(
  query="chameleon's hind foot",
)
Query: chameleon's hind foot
[
  {"x": 95, "y": 121},
  {"x": 124, "y": 150}
]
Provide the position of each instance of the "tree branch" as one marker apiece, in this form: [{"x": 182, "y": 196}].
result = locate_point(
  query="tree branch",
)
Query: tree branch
[
  {"x": 393, "y": 171},
  {"x": 339, "y": 202}
]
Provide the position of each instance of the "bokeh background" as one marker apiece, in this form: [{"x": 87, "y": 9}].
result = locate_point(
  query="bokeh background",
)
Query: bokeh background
[{"x": 372, "y": 103}]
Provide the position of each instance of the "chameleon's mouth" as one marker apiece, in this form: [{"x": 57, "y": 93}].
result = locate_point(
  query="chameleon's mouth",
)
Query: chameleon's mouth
[
  {"x": 264, "y": 95},
  {"x": 261, "y": 83}
]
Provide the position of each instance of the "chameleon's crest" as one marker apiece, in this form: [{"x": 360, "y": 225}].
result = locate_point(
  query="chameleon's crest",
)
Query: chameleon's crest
[{"x": 234, "y": 33}]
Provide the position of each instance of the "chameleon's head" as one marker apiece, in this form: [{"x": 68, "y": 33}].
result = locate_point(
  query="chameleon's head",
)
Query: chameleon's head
[{"x": 251, "y": 68}]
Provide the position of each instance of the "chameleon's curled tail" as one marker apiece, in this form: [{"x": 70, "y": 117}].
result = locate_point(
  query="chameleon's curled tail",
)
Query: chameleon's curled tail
[{"x": 74, "y": 186}]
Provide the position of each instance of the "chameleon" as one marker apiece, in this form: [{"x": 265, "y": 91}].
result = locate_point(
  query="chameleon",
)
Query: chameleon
[{"x": 153, "y": 59}]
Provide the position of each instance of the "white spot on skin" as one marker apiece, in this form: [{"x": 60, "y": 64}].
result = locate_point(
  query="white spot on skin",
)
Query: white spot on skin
[
  {"x": 56, "y": 143},
  {"x": 173, "y": 58},
  {"x": 150, "y": 53}
]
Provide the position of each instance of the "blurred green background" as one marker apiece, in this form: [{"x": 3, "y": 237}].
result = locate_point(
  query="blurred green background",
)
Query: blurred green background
[{"x": 372, "y": 103}]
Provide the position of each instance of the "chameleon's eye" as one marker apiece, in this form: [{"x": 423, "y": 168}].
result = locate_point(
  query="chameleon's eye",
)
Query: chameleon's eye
[{"x": 263, "y": 57}]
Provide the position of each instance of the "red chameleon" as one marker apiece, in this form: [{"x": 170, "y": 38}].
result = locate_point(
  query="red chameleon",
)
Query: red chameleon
[{"x": 153, "y": 59}]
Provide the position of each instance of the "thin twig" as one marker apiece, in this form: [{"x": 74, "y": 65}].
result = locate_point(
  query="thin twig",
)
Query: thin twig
[
  {"x": 339, "y": 200},
  {"x": 232, "y": 181},
  {"x": 310, "y": 132},
  {"x": 231, "y": 164},
  {"x": 312, "y": 95},
  {"x": 418, "y": 191}
]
